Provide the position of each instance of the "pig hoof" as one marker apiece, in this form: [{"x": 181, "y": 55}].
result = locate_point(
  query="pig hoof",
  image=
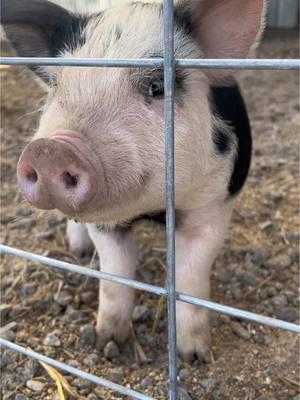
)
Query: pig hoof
[
  {"x": 200, "y": 352},
  {"x": 117, "y": 331},
  {"x": 80, "y": 251},
  {"x": 193, "y": 338}
]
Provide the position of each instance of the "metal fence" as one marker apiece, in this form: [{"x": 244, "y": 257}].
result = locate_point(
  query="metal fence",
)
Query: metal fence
[{"x": 169, "y": 64}]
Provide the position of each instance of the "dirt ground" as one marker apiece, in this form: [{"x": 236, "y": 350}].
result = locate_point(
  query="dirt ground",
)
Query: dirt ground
[{"x": 257, "y": 269}]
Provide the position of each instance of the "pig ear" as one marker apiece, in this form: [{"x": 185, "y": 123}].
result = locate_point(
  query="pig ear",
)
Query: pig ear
[
  {"x": 227, "y": 28},
  {"x": 39, "y": 28}
]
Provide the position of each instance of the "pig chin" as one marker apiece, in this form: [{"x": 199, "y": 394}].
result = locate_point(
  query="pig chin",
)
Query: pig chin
[{"x": 119, "y": 208}]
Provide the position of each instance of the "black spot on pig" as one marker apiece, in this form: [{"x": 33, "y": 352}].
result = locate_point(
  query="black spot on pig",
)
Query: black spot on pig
[{"x": 228, "y": 104}]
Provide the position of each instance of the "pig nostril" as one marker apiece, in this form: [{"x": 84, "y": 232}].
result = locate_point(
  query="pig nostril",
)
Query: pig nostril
[
  {"x": 32, "y": 176},
  {"x": 71, "y": 181}
]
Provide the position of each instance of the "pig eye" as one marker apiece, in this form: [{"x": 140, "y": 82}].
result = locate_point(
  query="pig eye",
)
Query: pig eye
[{"x": 156, "y": 88}]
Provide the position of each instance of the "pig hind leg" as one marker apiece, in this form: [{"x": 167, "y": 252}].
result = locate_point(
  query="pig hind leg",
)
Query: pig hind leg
[
  {"x": 118, "y": 256},
  {"x": 79, "y": 240}
]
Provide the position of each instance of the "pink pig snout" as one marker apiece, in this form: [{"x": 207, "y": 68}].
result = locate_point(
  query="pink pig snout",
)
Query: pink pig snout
[{"x": 58, "y": 173}]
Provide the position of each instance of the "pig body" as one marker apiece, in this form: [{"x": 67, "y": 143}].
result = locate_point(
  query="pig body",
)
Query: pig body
[{"x": 98, "y": 154}]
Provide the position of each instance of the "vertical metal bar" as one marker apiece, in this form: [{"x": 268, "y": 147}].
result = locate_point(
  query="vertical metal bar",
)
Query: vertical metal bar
[{"x": 169, "y": 66}]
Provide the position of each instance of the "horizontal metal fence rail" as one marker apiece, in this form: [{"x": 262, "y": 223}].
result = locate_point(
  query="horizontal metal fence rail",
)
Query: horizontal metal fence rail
[
  {"x": 220, "y": 308},
  {"x": 257, "y": 64}
]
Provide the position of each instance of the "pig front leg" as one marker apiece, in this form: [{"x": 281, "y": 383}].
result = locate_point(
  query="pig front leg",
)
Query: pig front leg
[
  {"x": 79, "y": 241},
  {"x": 118, "y": 255},
  {"x": 196, "y": 249}
]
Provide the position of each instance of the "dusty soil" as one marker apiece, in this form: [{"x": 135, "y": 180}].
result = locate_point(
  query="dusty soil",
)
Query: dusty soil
[{"x": 257, "y": 269}]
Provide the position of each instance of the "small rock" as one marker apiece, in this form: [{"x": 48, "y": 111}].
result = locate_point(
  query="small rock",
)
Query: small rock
[
  {"x": 247, "y": 280},
  {"x": 88, "y": 334},
  {"x": 247, "y": 213},
  {"x": 31, "y": 368},
  {"x": 183, "y": 394},
  {"x": 140, "y": 313},
  {"x": 184, "y": 374},
  {"x": 54, "y": 221},
  {"x": 280, "y": 300},
  {"x": 26, "y": 224},
  {"x": 208, "y": 384},
  {"x": 271, "y": 291},
  {"x": 146, "y": 382},
  {"x": 237, "y": 293},
  {"x": 73, "y": 363},
  {"x": 73, "y": 279},
  {"x": 261, "y": 254},
  {"x": 63, "y": 299},
  {"x": 73, "y": 314},
  {"x": 24, "y": 212},
  {"x": 5, "y": 309},
  {"x": 28, "y": 289},
  {"x": 83, "y": 383},
  {"x": 150, "y": 340},
  {"x": 268, "y": 339},
  {"x": 8, "y": 357},
  {"x": 162, "y": 389},
  {"x": 259, "y": 338},
  {"x": 240, "y": 331},
  {"x": 279, "y": 262},
  {"x": 271, "y": 371},
  {"x": 88, "y": 297},
  {"x": 111, "y": 350},
  {"x": 288, "y": 314},
  {"x": 35, "y": 386},
  {"x": 275, "y": 195},
  {"x": 225, "y": 277},
  {"x": 51, "y": 340},
  {"x": 91, "y": 360},
  {"x": 293, "y": 237},
  {"x": 116, "y": 374},
  {"x": 9, "y": 335},
  {"x": 283, "y": 276}
]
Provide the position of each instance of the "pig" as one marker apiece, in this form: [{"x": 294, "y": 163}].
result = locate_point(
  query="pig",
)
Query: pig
[{"x": 98, "y": 153}]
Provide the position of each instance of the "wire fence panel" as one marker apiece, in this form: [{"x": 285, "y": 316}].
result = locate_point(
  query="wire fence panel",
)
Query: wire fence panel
[{"x": 168, "y": 63}]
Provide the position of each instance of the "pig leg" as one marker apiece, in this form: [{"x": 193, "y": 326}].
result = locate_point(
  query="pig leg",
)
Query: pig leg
[
  {"x": 196, "y": 248},
  {"x": 78, "y": 238},
  {"x": 118, "y": 255}
]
